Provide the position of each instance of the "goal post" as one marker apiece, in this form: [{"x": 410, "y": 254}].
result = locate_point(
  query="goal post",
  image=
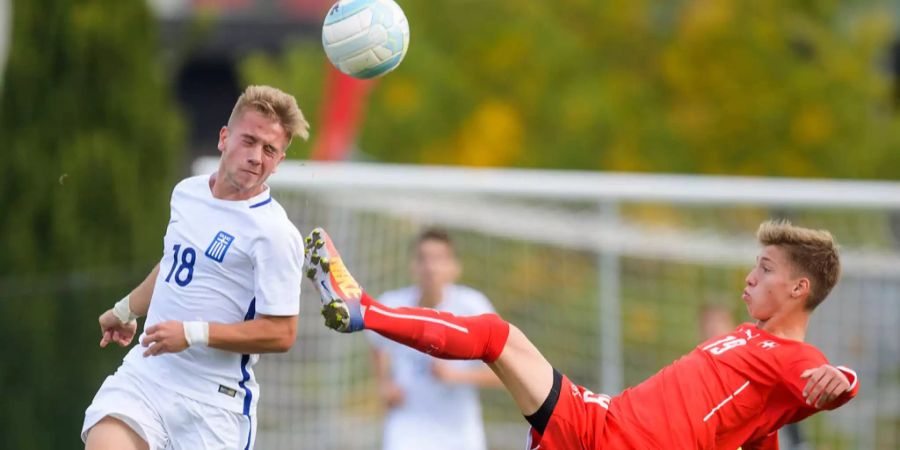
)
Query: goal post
[{"x": 605, "y": 272}]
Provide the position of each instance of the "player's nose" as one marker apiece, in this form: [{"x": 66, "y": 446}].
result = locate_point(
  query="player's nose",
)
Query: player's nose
[
  {"x": 750, "y": 279},
  {"x": 254, "y": 156}
]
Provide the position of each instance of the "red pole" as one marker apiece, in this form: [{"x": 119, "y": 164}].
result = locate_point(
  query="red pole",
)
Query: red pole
[{"x": 342, "y": 112}]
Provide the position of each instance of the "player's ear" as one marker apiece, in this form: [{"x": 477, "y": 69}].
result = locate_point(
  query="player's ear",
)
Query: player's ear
[
  {"x": 801, "y": 288},
  {"x": 223, "y": 134}
]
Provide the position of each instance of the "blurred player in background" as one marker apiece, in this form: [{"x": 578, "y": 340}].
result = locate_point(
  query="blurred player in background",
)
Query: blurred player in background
[
  {"x": 432, "y": 404},
  {"x": 735, "y": 390},
  {"x": 717, "y": 320},
  {"x": 229, "y": 289}
]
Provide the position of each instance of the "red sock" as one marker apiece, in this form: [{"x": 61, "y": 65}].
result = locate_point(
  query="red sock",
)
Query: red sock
[{"x": 438, "y": 333}]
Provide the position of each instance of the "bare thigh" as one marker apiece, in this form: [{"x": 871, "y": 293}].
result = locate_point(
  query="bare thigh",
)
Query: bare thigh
[
  {"x": 113, "y": 434},
  {"x": 527, "y": 375}
]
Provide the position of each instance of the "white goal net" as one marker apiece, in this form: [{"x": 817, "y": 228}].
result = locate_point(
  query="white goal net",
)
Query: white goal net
[{"x": 606, "y": 273}]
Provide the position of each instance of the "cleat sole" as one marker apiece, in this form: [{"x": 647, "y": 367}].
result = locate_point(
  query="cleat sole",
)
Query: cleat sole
[{"x": 320, "y": 258}]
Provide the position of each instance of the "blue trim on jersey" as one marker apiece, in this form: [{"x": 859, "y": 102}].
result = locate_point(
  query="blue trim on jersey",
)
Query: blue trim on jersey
[
  {"x": 248, "y": 396},
  {"x": 249, "y": 432},
  {"x": 262, "y": 202},
  {"x": 251, "y": 311}
]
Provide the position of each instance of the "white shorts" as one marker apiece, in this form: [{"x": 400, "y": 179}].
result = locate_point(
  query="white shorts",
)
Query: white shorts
[{"x": 168, "y": 420}]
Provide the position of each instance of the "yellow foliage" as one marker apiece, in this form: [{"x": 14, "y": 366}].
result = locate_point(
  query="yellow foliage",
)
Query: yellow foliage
[
  {"x": 754, "y": 87},
  {"x": 491, "y": 136},
  {"x": 623, "y": 156},
  {"x": 813, "y": 125},
  {"x": 705, "y": 17}
]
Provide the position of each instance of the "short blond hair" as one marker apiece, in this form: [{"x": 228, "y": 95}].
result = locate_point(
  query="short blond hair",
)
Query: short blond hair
[
  {"x": 274, "y": 104},
  {"x": 814, "y": 253}
]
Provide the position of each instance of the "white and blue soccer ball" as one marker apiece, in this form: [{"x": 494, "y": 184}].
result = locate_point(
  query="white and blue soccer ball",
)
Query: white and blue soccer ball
[{"x": 365, "y": 38}]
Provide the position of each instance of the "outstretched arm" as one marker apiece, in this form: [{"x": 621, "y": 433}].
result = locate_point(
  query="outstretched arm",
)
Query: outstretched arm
[
  {"x": 264, "y": 334},
  {"x": 829, "y": 386},
  {"x": 117, "y": 324}
]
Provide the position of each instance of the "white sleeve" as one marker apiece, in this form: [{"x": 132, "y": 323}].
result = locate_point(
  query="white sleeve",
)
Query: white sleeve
[
  {"x": 479, "y": 304},
  {"x": 278, "y": 266}
]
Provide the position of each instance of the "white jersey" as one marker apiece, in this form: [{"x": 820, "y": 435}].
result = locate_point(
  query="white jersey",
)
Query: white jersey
[
  {"x": 223, "y": 261},
  {"x": 434, "y": 415}
]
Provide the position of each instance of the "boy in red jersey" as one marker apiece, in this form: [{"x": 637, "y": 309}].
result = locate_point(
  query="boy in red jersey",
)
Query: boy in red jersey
[{"x": 734, "y": 390}]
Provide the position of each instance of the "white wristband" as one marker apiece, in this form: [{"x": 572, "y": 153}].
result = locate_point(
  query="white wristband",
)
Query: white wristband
[
  {"x": 196, "y": 333},
  {"x": 122, "y": 310}
]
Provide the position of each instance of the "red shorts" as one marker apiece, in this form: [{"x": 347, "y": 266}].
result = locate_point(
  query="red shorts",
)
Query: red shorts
[{"x": 578, "y": 420}]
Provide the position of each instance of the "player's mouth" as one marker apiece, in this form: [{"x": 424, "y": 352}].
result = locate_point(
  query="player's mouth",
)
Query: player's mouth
[
  {"x": 250, "y": 172},
  {"x": 745, "y": 296}
]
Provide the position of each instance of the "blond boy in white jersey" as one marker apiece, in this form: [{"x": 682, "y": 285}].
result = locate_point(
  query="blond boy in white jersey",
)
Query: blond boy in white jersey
[{"x": 226, "y": 289}]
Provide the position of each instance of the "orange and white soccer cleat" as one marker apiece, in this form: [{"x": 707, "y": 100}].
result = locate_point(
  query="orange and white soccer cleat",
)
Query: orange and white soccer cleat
[{"x": 339, "y": 291}]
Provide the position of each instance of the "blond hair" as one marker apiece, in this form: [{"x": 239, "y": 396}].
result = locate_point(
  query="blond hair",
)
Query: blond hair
[
  {"x": 814, "y": 253},
  {"x": 275, "y": 105}
]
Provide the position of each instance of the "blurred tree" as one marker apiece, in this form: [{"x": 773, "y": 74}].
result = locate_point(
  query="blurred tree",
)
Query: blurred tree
[
  {"x": 92, "y": 147},
  {"x": 697, "y": 86}
]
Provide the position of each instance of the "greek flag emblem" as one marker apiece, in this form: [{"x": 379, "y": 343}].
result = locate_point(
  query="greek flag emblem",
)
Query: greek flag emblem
[{"x": 219, "y": 246}]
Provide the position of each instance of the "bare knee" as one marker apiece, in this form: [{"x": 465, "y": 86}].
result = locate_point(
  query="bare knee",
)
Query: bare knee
[{"x": 113, "y": 434}]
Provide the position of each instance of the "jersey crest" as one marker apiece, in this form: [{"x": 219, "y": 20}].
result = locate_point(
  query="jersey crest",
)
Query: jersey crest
[{"x": 219, "y": 246}]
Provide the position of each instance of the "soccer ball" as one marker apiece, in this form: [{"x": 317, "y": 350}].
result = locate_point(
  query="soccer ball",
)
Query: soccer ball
[{"x": 365, "y": 38}]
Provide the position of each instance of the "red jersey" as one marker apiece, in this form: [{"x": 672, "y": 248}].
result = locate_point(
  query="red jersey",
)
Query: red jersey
[{"x": 731, "y": 391}]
